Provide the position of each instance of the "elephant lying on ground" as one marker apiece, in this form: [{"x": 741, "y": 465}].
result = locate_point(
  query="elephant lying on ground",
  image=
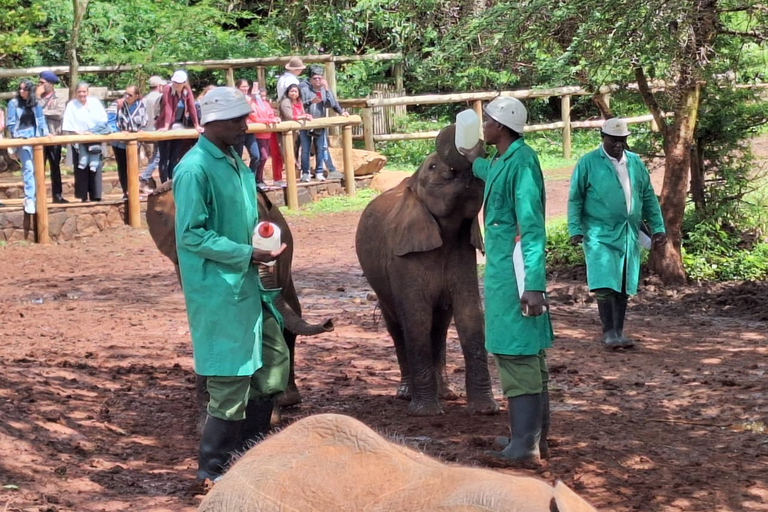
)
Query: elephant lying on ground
[
  {"x": 417, "y": 244},
  {"x": 161, "y": 216},
  {"x": 334, "y": 463}
]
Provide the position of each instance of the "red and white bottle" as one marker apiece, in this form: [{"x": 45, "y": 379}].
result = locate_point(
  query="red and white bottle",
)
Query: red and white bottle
[{"x": 266, "y": 237}]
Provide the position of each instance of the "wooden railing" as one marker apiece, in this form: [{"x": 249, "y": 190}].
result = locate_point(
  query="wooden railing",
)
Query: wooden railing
[{"x": 132, "y": 160}]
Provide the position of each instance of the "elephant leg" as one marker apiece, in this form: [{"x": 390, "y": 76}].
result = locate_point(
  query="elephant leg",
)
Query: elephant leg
[
  {"x": 396, "y": 331},
  {"x": 291, "y": 395},
  {"x": 441, "y": 320},
  {"x": 416, "y": 320},
  {"x": 470, "y": 326}
]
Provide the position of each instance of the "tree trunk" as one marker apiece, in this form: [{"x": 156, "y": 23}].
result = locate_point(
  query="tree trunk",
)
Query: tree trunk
[
  {"x": 667, "y": 260},
  {"x": 80, "y": 6},
  {"x": 697, "y": 178}
]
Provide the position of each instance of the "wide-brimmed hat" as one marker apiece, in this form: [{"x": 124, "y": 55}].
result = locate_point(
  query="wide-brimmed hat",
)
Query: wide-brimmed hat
[
  {"x": 295, "y": 64},
  {"x": 222, "y": 104},
  {"x": 615, "y": 127}
]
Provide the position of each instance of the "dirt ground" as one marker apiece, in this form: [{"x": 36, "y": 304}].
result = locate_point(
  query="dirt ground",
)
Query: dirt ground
[{"x": 98, "y": 413}]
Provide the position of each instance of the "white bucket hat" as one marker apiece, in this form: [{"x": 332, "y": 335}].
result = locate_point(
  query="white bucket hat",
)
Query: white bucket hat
[
  {"x": 179, "y": 76},
  {"x": 615, "y": 127},
  {"x": 222, "y": 104},
  {"x": 508, "y": 111}
]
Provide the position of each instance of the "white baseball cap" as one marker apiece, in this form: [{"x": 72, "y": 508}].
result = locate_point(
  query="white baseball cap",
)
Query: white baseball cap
[
  {"x": 508, "y": 111},
  {"x": 179, "y": 76},
  {"x": 155, "y": 80},
  {"x": 222, "y": 104},
  {"x": 615, "y": 127}
]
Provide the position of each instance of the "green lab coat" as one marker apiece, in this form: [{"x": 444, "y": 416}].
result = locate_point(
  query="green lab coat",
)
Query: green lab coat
[
  {"x": 216, "y": 212},
  {"x": 597, "y": 210},
  {"x": 514, "y": 203}
]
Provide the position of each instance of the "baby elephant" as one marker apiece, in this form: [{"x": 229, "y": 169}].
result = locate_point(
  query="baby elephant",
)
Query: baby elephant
[{"x": 416, "y": 244}]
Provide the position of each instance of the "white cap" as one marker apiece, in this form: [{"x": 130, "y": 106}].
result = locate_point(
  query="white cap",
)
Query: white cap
[
  {"x": 508, "y": 111},
  {"x": 155, "y": 80},
  {"x": 615, "y": 127},
  {"x": 222, "y": 104},
  {"x": 179, "y": 76}
]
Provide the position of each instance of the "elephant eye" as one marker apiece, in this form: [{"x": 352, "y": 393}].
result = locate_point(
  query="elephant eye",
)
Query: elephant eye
[{"x": 432, "y": 166}]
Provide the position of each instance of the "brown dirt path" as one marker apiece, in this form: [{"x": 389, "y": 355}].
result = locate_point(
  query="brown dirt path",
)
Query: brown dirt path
[{"x": 97, "y": 409}]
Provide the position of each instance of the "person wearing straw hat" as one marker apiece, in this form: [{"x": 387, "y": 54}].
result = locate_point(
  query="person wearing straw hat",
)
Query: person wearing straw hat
[
  {"x": 293, "y": 69},
  {"x": 517, "y": 323},
  {"x": 611, "y": 195},
  {"x": 237, "y": 340}
]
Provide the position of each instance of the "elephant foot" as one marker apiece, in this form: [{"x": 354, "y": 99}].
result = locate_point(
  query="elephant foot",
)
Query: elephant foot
[
  {"x": 483, "y": 405},
  {"x": 424, "y": 408},
  {"x": 403, "y": 391},
  {"x": 290, "y": 397}
]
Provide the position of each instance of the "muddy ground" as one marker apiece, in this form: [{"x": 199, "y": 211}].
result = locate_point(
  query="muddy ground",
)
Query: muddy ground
[{"x": 97, "y": 406}]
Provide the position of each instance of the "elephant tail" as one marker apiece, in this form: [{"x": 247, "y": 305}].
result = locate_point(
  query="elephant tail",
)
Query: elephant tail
[{"x": 293, "y": 322}]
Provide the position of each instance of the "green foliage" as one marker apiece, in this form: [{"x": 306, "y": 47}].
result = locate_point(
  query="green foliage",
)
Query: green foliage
[
  {"x": 17, "y": 37},
  {"x": 560, "y": 253},
  {"x": 409, "y": 154},
  {"x": 711, "y": 253},
  {"x": 335, "y": 204}
]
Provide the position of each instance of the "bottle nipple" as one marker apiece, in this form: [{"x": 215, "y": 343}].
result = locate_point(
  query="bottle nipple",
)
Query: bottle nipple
[{"x": 266, "y": 230}]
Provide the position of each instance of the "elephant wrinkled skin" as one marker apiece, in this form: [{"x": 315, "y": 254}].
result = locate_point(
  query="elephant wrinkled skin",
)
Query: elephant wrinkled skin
[
  {"x": 334, "y": 463},
  {"x": 161, "y": 216},
  {"x": 416, "y": 244}
]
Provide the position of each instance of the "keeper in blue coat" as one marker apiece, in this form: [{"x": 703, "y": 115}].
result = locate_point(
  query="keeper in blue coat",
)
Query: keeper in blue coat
[{"x": 610, "y": 196}]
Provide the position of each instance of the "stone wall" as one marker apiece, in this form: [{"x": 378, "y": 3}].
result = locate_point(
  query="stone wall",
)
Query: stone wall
[{"x": 64, "y": 223}]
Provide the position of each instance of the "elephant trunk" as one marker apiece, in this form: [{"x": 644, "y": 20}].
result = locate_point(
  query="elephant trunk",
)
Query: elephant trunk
[{"x": 293, "y": 322}]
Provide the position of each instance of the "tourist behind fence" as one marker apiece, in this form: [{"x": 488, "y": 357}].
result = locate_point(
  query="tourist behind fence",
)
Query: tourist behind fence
[
  {"x": 53, "y": 110},
  {"x": 237, "y": 340},
  {"x": 126, "y": 114},
  {"x": 249, "y": 142},
  {"x": 264, "y": 113},
  {"x": 26, "y": 120},
  {"x": 151, "y": 102},
  {"x": 317, "y": 98},
  {"x": 517, "y": 323},
  {"x": 293, "y": 69},
  {"x": 292, "y": 109},
  {"x": 86, "y": 115},
  {"x": 176, "y": 113},
  {"x": 611, "y": 195},
  {"x": 275, "y": 143}
]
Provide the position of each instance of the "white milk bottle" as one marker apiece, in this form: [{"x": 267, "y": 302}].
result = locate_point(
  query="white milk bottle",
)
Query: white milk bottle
[
  {"x": 266, "y": 237},
  {"x": 467, "y": 129}
]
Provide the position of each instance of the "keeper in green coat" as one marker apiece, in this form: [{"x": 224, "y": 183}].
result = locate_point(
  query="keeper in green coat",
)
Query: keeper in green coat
[
  {"x": 611, "y": 195},
  {"x": 517, "y": 323},
  {"x": 236, "y": 332}
]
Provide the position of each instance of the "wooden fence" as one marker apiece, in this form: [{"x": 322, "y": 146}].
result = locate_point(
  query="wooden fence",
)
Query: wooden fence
[{"x": 132, "y": 156}]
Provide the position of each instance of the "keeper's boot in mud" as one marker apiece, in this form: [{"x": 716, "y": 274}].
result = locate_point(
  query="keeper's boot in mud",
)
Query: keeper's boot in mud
[
  {"x": 619, "y": 312},
  {"x": 543, "y": 443},
  {"x": 258, "y": 420},
  {"x": 525, "y": 418},
  {"x": 221, "y": 438},
  {"x": 605, "y": 308}
]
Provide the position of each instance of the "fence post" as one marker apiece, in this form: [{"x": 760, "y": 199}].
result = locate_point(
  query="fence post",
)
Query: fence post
[
  {"x": 261, "y": 76},
  {"x": 368, "y": 129},
  {"x": 132, "y": 167},
  {"x": 349, "y": 170},
  {"x": 330, "y": 76},
  {"x": 565, "y": 112},
  {"x": 41, "y": 203},
  {"x": 477, "y": 105},
  {"x": 398, "y": 72},
  {"x": 230, "y": 77},
  {"x": 291, "y": 192}
]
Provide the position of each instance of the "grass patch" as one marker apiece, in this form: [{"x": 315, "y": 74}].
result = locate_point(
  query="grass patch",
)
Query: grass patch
[{"x": 334, "y": 204}]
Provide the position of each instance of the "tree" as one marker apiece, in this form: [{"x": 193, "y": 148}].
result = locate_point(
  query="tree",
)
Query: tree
[
  {"x": 17, "y": 34},
  {"x": 668, "y": 47},
  {"x": 79, "y": 8}
]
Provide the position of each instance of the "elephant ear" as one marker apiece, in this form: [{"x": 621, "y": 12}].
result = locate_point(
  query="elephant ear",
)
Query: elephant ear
[
  {"x": 261, "y": 195},
  {"x": 411, "y": 226},
  {"x": 568, "y": 501},
  {"x": 476, "y": 236}
]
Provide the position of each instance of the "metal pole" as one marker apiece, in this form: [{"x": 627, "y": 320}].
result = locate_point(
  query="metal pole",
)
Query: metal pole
[
  {"x": 41, "y": 203},
  {"x": 349, "y": 171},
  {"x": 292, "y": 193},
  {"x": 132, "y": 165}
]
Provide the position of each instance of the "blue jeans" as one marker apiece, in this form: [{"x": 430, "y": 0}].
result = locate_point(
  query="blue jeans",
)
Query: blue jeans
[
  {"x": 321, "y": 145},
  {"x": 154, "y": 162},
  {"x": 27, "y": 171}
]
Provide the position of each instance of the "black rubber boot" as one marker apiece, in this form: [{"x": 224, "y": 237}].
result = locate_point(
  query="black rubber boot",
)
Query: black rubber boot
[
  {"x": 543, "y": 443},
  {"x": 220, "y": 439},
  {"x": 606, "y": 308},
  {"x": 525, "y": 417},
  {"x": 258, "y": 419},
  {"x": 619, "y": 312}
]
